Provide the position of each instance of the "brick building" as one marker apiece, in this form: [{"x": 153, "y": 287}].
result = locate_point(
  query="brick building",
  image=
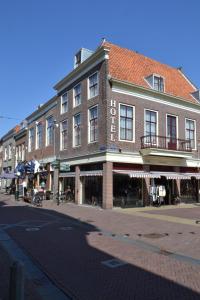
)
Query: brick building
[
  {"x": 125, "y": 125},
  {"x": 8, "y": 158},
  {"x": 41, "y": 143}
]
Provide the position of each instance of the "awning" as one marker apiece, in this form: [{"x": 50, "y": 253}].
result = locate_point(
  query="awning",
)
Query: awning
[
  {"x": 82, "y": 173},
  {"x": 67, "y": 174},
  {"x": 8, "y": 176},
  {"x": 172, "y": 175},
  {"x": 137, "y": 174},
  {"x": 196, "y": 175},
  {"x": 91, "y": 173}
]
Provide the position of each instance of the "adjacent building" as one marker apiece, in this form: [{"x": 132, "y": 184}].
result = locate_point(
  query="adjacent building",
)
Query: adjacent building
[{"x": 8, "y": 158}]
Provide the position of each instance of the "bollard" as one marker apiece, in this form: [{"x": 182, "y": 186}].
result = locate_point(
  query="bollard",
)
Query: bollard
[{"x": 16, "y": 286}]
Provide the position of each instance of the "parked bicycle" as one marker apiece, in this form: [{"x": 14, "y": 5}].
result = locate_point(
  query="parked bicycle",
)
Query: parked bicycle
[{"x": 37, "y": 199}]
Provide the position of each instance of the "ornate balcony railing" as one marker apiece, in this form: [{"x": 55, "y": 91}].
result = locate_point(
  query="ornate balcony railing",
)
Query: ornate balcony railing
[{"x": 166, "y": 143}]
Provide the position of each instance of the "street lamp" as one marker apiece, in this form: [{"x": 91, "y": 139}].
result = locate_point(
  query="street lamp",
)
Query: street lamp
[{"x": 55, "y": 125}]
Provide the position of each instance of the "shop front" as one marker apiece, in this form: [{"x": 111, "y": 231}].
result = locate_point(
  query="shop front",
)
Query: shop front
[{"x": 67, "y": 186}]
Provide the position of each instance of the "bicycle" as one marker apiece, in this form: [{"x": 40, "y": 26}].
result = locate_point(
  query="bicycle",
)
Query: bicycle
[{"x": 37, "y": 199}]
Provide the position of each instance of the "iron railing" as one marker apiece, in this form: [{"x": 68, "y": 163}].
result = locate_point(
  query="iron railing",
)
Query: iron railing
[{"x": 167, "y": 143}]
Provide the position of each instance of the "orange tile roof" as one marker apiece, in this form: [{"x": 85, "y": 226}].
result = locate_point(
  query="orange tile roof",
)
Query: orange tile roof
[{"x": 130, "y": 66}]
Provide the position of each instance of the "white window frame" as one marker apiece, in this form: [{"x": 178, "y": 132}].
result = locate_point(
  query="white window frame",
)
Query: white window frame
[
  {"x": 74, "y": 95},
  {"x": 88, "y": 85},
  {"x": 9, "y": 151},
  {"x": 61, "y": 103},
  {"x": 195, "y": 134},
  {"x": 6, "y": 153},
  {"x": 126, "y": 141},
  {"x": 159, "y": 76},
  {"x": 76, "y": 146},
  {"x": 61, "y": 144},
  {"x": 89, "y": 137},
  {"x": 36, "y": 136},
  {"x": 157, "y": 125},
  {"x": 177, "y": 127},
  {"x": 29, "y": 148},
  {"x": 47, "y": 145},
  {"x": 23, "y": 151}
]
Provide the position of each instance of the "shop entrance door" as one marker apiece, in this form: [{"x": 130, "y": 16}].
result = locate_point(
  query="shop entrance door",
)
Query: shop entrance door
[{"x": 171, "y": 133}]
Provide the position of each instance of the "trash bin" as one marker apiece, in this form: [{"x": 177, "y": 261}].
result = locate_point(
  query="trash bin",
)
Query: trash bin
[{"x": 16, "y": 195}]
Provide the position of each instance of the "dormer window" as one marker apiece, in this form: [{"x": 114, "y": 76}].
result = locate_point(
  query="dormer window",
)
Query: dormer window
[
  {"x": 158, "y": 83},
  {"x": 196, "y": 95}
]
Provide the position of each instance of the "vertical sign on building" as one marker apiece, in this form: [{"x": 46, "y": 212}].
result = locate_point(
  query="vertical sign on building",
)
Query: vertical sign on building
[{"x": 113, "y": 113}]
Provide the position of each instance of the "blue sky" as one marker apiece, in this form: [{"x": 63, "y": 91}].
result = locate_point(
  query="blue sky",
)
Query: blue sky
[{"x": 38, "y": 39}]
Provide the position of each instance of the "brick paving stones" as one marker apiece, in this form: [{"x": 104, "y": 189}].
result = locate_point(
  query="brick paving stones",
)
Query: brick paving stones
[{"x": 73, "y": 258}]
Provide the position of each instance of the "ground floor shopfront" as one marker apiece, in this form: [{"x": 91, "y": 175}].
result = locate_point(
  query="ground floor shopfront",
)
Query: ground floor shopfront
[{"x": 111, "y": 184}]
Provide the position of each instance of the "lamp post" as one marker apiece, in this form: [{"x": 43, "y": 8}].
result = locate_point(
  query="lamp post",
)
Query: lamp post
[{"x": 55, "y": 125}]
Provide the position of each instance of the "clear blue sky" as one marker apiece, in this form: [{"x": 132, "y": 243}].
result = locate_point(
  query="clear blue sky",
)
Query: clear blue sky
[{"x": 38, "y": 39}]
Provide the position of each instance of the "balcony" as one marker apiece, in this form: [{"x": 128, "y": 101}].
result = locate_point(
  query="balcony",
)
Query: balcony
[{"x": 165, "y": 146}]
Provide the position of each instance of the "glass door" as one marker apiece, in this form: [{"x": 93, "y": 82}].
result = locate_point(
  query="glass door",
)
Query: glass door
[{"x": 171, "y": 133}]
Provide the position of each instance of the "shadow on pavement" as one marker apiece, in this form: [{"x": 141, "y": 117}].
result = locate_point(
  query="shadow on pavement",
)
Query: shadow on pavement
[{"x": 63, "y": 249}]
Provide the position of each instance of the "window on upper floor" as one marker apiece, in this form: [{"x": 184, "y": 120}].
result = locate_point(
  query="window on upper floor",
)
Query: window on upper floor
[
  {"x": 126, "y": 122},
  {"x": 31, "y": 139},
  {"x": 93, "y": 82},
  {"x": 5, "y": 153},
  {"x": 19, "y": 152},
  {"x": 64, "y": 103},
  {"x": 77, "y": 130},
  {"x": 93, "y": 124},
  {"x": 77, "y": 95},
  {"x": 63, "y": 135},
  {"x": 9, "y": 151},
  {"x": 39, "y": 136},
  {"x": 150, "y": 126},
  {"x": 190, "y": 132},
  {"x": 49, "y": 131},
  {"x": 158, "y": 83},
  {"x": 23, "y": 151}
]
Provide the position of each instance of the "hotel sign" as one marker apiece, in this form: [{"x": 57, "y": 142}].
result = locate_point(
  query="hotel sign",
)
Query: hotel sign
[{"x": 113, "y": 113}]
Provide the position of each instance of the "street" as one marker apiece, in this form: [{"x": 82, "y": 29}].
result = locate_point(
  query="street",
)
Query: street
[{"x": 88, "y": 253}]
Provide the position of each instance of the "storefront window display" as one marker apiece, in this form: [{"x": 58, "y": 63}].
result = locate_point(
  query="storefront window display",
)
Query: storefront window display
[
  {"x": 127, "y": 191},
  {"x": 189, "y": 190}
]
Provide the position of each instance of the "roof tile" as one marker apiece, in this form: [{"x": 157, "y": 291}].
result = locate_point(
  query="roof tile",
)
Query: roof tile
[{"x": 130, "y": 66}]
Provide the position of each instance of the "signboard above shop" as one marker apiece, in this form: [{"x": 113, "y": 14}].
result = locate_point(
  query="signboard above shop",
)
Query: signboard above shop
[
  {"x": 62, "y": 166},
  {"x": 55, "y": 164}
]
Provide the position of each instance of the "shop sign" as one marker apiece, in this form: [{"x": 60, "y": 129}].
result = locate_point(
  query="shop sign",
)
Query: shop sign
[
  {"x": 64, "y": 167},
  {"x": 55, "y": 164},
  {"x": 113, "y": 113}
]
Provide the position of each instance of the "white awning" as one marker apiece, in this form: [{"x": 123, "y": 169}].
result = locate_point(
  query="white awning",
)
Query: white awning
[
  {"x": 173, "y": 175},
  {"x": 67, "y": 174},
  {"x": 137, "y": 174},
  {"x": 91, "y": 173},
  {"x": 196, "y": 175}
]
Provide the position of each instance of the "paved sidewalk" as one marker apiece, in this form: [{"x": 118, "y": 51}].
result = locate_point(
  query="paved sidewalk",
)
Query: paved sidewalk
[
  {"x": 160, "y": 259},
  {"x": 5, "y": 263}
]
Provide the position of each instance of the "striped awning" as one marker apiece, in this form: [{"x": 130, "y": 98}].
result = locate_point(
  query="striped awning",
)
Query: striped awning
[
  {"x": 173, "y": 175},
  {"x": 91, "y": 173},
  {"x": 196, "y": 175},
  {"x": 67, "y": 174},
  {"x": 8, "y": 176},
  {"x": 137, "y": 174}
]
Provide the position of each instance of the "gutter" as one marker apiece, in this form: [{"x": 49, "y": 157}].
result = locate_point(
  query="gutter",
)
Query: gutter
[{"x": 133, "y": 85}]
